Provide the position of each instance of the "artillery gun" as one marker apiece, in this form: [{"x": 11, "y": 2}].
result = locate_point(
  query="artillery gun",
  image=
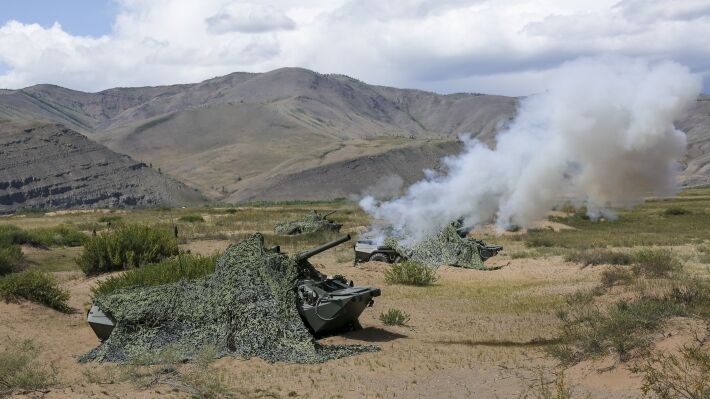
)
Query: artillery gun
[
  {"x": 326, "y": 304},
  {"x": 331, "y": 303},
  {"x": 310, "y": 223},
  {"x": 452, "y": 244}
]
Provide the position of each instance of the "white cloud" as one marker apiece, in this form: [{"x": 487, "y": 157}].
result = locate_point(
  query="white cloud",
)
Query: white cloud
[
  {"x": 504, "y": 46},
  {"x": 249, "y": 18}
]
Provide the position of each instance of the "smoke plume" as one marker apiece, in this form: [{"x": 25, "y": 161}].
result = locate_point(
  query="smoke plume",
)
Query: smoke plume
[{"x": 602, "y": 136}]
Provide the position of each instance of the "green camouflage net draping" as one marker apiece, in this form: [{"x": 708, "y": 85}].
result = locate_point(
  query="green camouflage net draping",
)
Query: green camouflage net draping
[
  {"x": 310, "y": 223},
  {"x": 445, "y": 248},
  {"x": 246, "y": 308}
]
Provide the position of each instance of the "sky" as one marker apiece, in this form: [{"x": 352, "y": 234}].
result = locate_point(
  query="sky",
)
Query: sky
[{"x": 508, "y": 47}]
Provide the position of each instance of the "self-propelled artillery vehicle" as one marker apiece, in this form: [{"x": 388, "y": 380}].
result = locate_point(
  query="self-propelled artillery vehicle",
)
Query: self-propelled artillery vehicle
[{"x": 326, "y": 304}]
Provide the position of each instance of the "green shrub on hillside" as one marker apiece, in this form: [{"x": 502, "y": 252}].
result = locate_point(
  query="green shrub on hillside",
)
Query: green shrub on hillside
[
  {"x": 589, "y": 329},
  {"x": 410, "y": 273},
  {"x": 655, "y": 262},
  {"x": 20, "y": 368},
  {"x": 109, "y": 218},
  {"x": 682, "y": 375},
  {"x": 598, "y": 256},
  {"x": 181, "y": 267},
  {"x": 191, "y": 219},
  {"x": 394, "y": 317},
  {"x": 36, "y": 287},
  {"x": 125, "y": 247},
  {"x": 58, "y": 236},
  {"x": 616, "y": 276},
  {"x": 11, "y": 259},
  {"x": 63, "y": 235},
  {"x": 676, "y": 211}
]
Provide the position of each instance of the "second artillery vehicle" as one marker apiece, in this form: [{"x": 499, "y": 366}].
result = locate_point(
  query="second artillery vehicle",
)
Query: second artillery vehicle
[
  {"x": 327, "y": 304},
  {"x": 310, "y": 223},
  {"x": 370, "y": 250}
]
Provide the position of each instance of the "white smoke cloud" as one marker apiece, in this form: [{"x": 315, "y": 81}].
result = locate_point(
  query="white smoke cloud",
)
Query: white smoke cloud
[{"x": 602, "y": 135}]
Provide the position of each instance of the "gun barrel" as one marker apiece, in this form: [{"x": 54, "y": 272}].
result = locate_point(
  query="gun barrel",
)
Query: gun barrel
[
  {"x": 328, "y": 214},
  {"x": 315, "y": 251}
]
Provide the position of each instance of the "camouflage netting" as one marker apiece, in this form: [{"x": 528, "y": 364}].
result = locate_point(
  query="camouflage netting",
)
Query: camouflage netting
[
  {"x": 246, "y": 308},
  {"x": 310, "y": 223},
  {"x": 445, "y": 248}
]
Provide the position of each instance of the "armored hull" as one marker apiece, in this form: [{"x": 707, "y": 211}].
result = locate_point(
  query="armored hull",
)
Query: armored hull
[{"x": 333, "y": 304}]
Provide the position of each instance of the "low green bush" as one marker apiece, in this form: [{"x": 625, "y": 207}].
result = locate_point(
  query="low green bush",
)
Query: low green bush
[
  {"x": 192, "y": 219},
  {"x": 655, "y": 262},
  {"x": 13, "y": 235},
  {"x": 11, "y": 259},
  {"x": 682, "y": 375},
  {"x": 534, "y": 242},
  {"x": 62, "y": 235},
  {"x": 616, "y": 276},
  {"x": 181, "y": 267},
  {"x": 589, "y": 329},
  {"x": 676, "y": 211},
  {"x": 598, "y": 256},
  {"x": 125, "y": 247},
  {"x": 20, "y": 368},
  {"x": 58, "y": 236},
  {"x": 394, "y": 317},
  {"x": 110, "y": 218},
  {"x": 36, "y": 287},
  {"x": 410, "y": 273}
]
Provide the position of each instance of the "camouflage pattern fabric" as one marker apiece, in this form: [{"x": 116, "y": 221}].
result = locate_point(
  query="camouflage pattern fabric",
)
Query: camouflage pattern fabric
[
  {"x": 445, "y": 248},
  {"x": 310, "y": 223},
  {"x": 246, "y": 308}
]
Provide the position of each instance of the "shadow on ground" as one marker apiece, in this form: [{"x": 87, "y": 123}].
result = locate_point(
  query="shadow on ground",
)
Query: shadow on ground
[
  {"x": 503, "y": 343},
  {"x": 374, "y": 334}
]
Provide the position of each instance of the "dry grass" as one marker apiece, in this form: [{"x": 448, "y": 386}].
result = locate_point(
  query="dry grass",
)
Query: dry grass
[{"x": 468, "y": 323}]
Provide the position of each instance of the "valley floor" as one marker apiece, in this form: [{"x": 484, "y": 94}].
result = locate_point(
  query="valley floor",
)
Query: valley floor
[{"x": 473, "y": 333}]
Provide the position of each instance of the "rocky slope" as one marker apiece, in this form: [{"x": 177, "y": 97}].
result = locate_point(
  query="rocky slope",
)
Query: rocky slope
[
  {"x": 51, "y": 166},
  {"x": 270, "y": 135}
]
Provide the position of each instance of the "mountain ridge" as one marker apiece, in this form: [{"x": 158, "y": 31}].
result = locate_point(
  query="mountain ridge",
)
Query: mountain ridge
[{"x": 243, "y": 134}]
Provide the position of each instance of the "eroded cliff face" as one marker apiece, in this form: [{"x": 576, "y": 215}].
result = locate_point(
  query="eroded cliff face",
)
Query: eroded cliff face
[{"x": 51, "y": 166}]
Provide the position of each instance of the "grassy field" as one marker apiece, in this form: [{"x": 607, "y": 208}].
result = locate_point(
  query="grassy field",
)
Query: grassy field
[{"x": 468, "y": 333}]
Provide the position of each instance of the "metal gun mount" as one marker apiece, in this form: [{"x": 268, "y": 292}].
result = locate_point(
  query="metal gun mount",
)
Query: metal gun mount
[{"x": 329, "y": 304}]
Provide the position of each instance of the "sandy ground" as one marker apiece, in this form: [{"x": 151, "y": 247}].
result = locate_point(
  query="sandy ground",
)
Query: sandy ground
[{"x": 473, "y": 334}]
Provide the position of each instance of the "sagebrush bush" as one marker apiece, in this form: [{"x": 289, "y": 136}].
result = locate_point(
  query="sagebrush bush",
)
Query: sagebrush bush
[
  {"x": 126, "y": 247},
  {"x": 35, "y": 286},
  {"x": 109, "y": 218},
  {"x": 63, "y": 235},
  {"x": 589, "y": 329},
  {"x": 191, "y": 219},
  {"x": 410, "y": 273},
  {"x": 676, "y": 211},
  {"x": 21, "y": 369},
  {"x": 682, "y": 375},
  {"x": 598, "y": 256},
  {"x": 11, "y": 259},
  {"x": 655, "y": 262},
  {"x": 394, "y": 317},
  {"x": 181, "y": 267},
  {"x": 616, "y": 276},
  {"x": 534, "y": 242}
]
